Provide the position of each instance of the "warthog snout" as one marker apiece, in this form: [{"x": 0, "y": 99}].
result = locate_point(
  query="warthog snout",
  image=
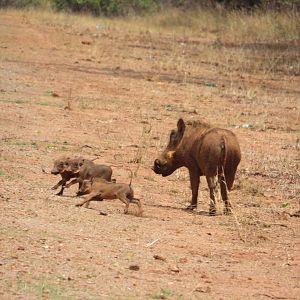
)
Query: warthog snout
[
  {"x": 54, "y": 171},
  {"x": 157, "y": 167},
  {"x": 163, "y": 168}
]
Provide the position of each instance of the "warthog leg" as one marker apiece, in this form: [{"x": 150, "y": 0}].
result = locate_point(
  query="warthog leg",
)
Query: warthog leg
[
  {"x": 138, "y": 203},
  {"x": 212, "y": 184},
  {"x": 224, "y": 194},
  {"x": 61, "y": 191},
  {"x": 61, "y": 183},
  {"x": 72, "y": 182},
  {"x": 195, "y": 181},
  {"x": 56, "y": 186},
  {"x": 89, "y": 199},
  {"x": 126, "y": 201}
]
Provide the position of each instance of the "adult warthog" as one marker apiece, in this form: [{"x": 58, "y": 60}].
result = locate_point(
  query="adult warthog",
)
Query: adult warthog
[{"x": 205, "y": 151}]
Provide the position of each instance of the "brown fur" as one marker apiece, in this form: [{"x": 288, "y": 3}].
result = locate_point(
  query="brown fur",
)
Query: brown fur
[
  {"x": 100, "y": 189},
  {"x": 205, "y": 151},
  {"x": 86, "y": 169},
  {"x": 62, "y": 166},
  {"x": 59, "y": 167}
]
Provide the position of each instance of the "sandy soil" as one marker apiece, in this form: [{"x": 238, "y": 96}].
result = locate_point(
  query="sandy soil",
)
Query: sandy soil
[{"x": 115, "y": 95}]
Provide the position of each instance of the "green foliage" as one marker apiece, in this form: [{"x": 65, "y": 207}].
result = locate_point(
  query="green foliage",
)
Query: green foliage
[
  {"x": 107, "y": 7},
  {"x": 44, "y": 290},
  {"x": 163, "y": 294},
  {"x": 25, "y": 3},
  {"x": 128, "y": 7}
]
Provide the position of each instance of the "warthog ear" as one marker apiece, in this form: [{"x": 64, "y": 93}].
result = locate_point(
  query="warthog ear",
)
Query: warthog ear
[
  {"x": 180, "y": 126},
  {"x": 170, "y": 154}
]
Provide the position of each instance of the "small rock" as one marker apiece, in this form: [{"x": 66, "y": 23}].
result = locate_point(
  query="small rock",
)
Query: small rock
[
  {"x": 174, "y": 269},
  {"x": 86, "y": 42},
  {"x": 134, "y": 267},
  {"x": 203, "y": 289},
  {"x": 54, "y": 94},
  {"x": 296, "y": 214},
  {"x": 158, "y": 257}
]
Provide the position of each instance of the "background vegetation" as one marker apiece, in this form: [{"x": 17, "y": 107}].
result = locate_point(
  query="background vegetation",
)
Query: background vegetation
[{"x": 129, "y": 7}]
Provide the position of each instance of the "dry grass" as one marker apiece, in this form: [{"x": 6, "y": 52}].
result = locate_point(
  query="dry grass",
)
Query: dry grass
[
  {"x": 242, "y": 27},
  {"x": 259, "y": 42},
  {"x": 236, "y": 26}
]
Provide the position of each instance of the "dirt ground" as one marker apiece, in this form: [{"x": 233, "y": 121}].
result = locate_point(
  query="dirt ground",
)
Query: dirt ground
[{"x": 115, "y": 94}]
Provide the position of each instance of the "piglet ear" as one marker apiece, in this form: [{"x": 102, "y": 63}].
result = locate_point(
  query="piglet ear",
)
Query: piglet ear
[
  {"x": 170, "y": 154},
  {"x": 181, "y": 126}
]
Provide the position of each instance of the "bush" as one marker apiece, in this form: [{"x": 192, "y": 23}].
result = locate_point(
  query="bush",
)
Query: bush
[
  {"x": 107, "y": 7},
  {"x": 127, "y": 7},
  {"x": 25, "y": 3}
]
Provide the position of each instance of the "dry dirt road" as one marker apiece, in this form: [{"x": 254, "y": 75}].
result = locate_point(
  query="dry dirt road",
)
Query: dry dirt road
[{"x": 115, "y": 94}]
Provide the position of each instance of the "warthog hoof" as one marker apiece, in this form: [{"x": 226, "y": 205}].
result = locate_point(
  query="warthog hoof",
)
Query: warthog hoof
[
  {"x": 191, "y": 207},
  {"x": 212, "y": 211},
  {"x": 227, "y": 211}
]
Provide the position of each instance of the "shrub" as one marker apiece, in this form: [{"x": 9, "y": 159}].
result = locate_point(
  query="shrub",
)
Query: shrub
[
  {"x": 25, "y": 3},
  {"x": 127, "y": 7},
  {"x": 106, "y": 7}
]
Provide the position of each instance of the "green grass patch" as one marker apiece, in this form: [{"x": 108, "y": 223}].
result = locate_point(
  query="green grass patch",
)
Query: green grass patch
[
  {"x": 4, "y": 175},
  {"x": 163, "y": 294},
  {"x": 48, "y": 104},
  {"x": 15, "y": 101},
  {"x": 21, "y": 102},
  {"x": 45, "y": 290},
  {"x": 42, "y": 103},
  {"x": 55, "y": 145},
  {"x": 58, "y": 146}
]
